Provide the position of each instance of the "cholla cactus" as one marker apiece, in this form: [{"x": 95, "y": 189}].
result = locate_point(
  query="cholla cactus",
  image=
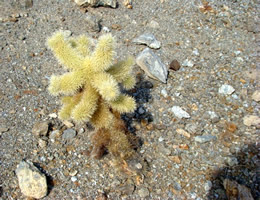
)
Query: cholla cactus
[
  {"x": 90, "y": 90},
  {"x": 91, "y": 87}
]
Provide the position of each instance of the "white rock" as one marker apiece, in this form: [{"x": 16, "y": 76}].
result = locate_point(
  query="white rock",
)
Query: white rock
[
  {"x": 31, "y": 181},
  {"x": 164, "y": 93},
  {"x": 179, "y": 112},
  {"x": 188, "y": 63},
  {"x": 53, "y": 115},
  {"x": 226, "y": 89},
  {"x": 256, "y": 96},
  {"x": 74, "y": 178},
  {"x": 149, "y": 40},
  {"x": 251, "y": 120},
  {"x": 152, "y": 65}
]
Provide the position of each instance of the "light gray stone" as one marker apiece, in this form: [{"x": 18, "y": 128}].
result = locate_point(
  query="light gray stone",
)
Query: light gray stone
[
  {"x": 256, "y": 96},
  {"x": 152, "y": 65},
  {"x": 251, "y": 120},
  {"x": 179, "y": 112},
  {"x": 143, "y": 192},
  {"x": 40, "y": 129},
  {"x": 149, "y": 40},
  {"x": 226, "y": 89},
  {"x": 205, "y": 138},
  {"x": 96, "y": 3},
  {"x": 69, "y": 134},
  {"x": 31, "y": 181}
]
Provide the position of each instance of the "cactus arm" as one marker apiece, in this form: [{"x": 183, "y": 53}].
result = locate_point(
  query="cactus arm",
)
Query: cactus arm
[
  {"x": 84, "y": 110},
  {"x": 82, "y": 45},
  {"x": 123, "y": 104},
  {"x": 104, "y": 53},
  {"x": 66, "y": 84},
  {"x": 69, "y": 102},
  {"x": 121, "y": 69},
  {"x": 106, "y": 85},
  {"x": 102, "y": 116},
  {"x": 64, "y": 52},
  {"x": 129, "y": 82}
]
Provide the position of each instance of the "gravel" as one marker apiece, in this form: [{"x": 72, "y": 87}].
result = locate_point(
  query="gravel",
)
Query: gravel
[{"x": 217, "y": 44}]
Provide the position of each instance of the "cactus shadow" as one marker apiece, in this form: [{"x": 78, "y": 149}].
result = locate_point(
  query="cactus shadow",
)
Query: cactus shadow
[
  {"x": 142, "y": 94},
  {"x": 244, "y": 172}
]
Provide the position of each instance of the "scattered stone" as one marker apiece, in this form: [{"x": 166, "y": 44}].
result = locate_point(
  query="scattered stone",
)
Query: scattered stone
[
  {"x": 143, "y": 192},
  {"x": 164, "y": 93},
  {"x": 69, "y": 134},
  {"x": 128, "y": 4},
  {"x": 175, "y": 159},
  {"x": 183, "y": 132},
  {"x": 188, "y": 63},
  {"x": 94, "y": 23},
  {"x": 256, "y": 96},
  {"x": 141, "y": 110},
  {"x": 139, "y": 166},
  {"x": 152, "y": 65},
  {"x": 179, "y": 112},
  {"x": 236, "y": 191},
  {"x": 106, "y": 29},
  {"x": 55, "y": 134},
  {"x": 251, "y": 120},
  {"x": 68, "y": 124},
  {"x": 226, "y": 89},
  {"x": 191, "y": 128},
  {"x": 205, "y": 138},
  {"x": 253, "y": 74},
  {"x": 96, "y": 3},
  {"x": 31, "y": 181},
  {"x": 149, "y": 40},
  {"x": 154, "y": 24},
  {"x": 213, "y": 116},
  {"x": 42, "y": 143},
  {"x": 74, "y": 178},
  {"x": 53, "y": 115},
  {"x": 28, "y": 3},
  {"x": 40, "y": 129},
  {"x": 231, "y": 161},
  {"x": 175, "y": 65},
  {"x": 81, "y": 130},
  {"x": 3, "y": 129},
  {"x": 208, "y": 185}
]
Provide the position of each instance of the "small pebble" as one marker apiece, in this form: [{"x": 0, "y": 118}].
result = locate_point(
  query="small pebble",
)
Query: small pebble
[
  {"x": 143, "y": 192},
  {"x": 226, "y": 89},
  {"x": 251, "y": 120},
  {"x": 69, "y": 134},
  {"x": 53, "y": 115},
  {"x": 40, "y": 129},
  {"x": 183, "y": 132},
  {"x": 74, "y": 178},
  {"x": 231, "y": 161},
  {"x": 205, "y": 138},
  {"x": 179, "y": 112},
  {"x": 175, "y": 65},
  {"x": 256, "y": 96},
  {"x": 164, "y": 93}
]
